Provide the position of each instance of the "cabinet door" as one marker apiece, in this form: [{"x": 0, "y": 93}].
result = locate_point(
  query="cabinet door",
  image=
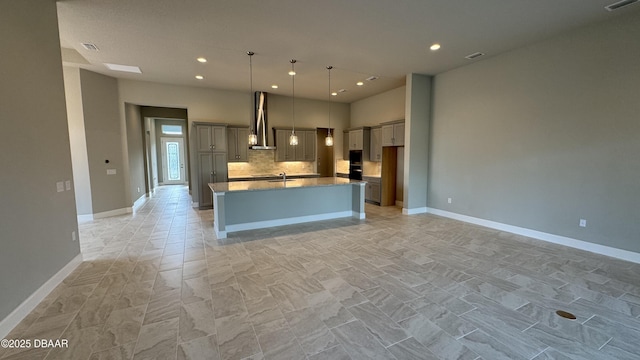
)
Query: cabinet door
[
  {"x": 375, "y": 192},
  {"x": 282, "y": 145},
  {"x": 398, "y": 134},
  {"x": 309, "y": 146},
  {"x": 232, "y": 141},
  {"x": 205, "y": 176},
  {"x": 367, "y": 192},
  {"x": 355, "y": 139},
  {"x": 219, "y": 137},
  {"x": 387, "y": 135},
  {"x": 220, "y": 172},
  {"x": 205, "y": 141},
  {"x": 375, "y": 153},
  {"x": 242, "y": 143}
]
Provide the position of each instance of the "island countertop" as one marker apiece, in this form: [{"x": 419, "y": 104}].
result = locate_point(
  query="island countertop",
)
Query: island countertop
[{"x": 225, "y": 187}]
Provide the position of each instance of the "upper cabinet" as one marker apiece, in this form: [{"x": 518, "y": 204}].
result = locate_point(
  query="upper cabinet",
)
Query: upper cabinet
[
  {"x": 345, "y": 145},
  {"x": 304, "y": 151},
  {"x": 238, "y": 139},
  {"x": 359, "y": 139},
  {"x": 211, "y": 137},
  {"x": 393, "y": 134},
  {"x": 375, "y": 152}
]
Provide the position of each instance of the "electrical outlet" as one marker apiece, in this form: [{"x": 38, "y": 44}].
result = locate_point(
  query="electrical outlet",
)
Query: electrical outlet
[
  {"x": 73, "y": 236},
  {"x": 138, "y": 188},
  {"x": 67, "y": 184},
  {"x": 583, "y": 223},
  {"x": 449, "y": 200},
  {"x": 60, "y": 186},
  {"x": 111, "y": 171}
]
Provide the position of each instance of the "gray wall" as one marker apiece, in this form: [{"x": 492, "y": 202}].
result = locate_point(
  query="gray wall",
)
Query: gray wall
[
  {"x": 546, "y": 135},
  {"x": 380, "y": 108},
  {"x": 36, "y": 221},
  {"x": 105, "y": 138},
  {"x": 135, "y": 151}
]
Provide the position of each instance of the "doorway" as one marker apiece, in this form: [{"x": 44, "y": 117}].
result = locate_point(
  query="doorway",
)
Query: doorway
[
  {"x": 173, "y": 170},
  {"x": 325, "y": 163}
]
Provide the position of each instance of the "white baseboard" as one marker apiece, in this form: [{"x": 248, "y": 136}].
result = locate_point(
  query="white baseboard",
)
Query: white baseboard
[
  {"x": 556, "y": 239},
  {"x": 414, "y": 211},
  {"x": 12, "y": 320},
  {"x": 138, "y": 203},
  {"x": 116, "y": 212},
  {"x": 358, "y": 215},
  {"x": 85, "y": 218}
]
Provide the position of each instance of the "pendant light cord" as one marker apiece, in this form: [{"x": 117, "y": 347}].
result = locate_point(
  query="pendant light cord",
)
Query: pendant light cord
[
  {"x": 329, "y": 68},
  {"x": 293, "y": 95},
  {"x": 251, "y": 107}
]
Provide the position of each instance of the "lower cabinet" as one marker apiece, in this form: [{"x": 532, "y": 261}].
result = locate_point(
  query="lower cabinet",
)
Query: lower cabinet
[
  {"x": 373, "y": 189},
  {"x": 212, "y": 169}
]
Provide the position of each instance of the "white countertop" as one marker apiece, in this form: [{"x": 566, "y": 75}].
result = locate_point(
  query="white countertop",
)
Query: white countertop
[{"x": 275, "y": 185}]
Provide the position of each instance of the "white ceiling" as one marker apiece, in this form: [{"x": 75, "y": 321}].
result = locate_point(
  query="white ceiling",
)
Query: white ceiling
[{"x": 359, "y": 38}]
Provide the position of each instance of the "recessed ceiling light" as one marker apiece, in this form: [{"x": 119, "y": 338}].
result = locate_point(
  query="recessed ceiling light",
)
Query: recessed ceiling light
[
  {"x": 334, "y": 94},
  {"x": 199, "y": 77},
  {"x": 435, "y": 46},
  {"x": 274, "y": 86},
  {"x": 125, "y": 68},
  {"x": 359, "y": 83},
  {"x": 202, "y": 60}
]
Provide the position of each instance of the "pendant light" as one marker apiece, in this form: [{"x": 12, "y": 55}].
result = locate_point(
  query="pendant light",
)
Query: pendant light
[
  {"x": 293, "y": 138},
  {"x": 253, "y": 138},
  {"x": 328, "y": 141}
]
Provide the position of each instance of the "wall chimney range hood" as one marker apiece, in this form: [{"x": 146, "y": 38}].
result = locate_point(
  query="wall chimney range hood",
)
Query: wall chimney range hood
[{"x": 260, "y": 121}]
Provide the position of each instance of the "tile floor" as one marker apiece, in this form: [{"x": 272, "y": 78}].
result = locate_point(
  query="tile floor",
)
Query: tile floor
[{"x": 158, "y": 285}]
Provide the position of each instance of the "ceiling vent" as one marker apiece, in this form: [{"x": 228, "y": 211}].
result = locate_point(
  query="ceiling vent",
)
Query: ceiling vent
[
  {"x": 371, "y": 78},
  {"x": 620, "y": 4},
  {"x": 90, "y": 46},
  {"x": 474, "y": 55}
]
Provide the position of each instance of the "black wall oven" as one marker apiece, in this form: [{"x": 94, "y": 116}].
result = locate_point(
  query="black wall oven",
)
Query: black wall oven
[{"x": 355, "y": 164}]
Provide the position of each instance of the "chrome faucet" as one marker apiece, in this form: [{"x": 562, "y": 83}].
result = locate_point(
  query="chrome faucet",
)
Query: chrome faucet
[{"x": 284, "y": 176}]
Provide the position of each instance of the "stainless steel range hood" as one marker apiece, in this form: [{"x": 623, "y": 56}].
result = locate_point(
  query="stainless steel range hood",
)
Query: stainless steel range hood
[{"x": 260, "y": 122}]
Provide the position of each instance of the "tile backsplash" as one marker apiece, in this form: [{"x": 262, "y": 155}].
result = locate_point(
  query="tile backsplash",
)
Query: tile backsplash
[{"x": 263, "y": 162}]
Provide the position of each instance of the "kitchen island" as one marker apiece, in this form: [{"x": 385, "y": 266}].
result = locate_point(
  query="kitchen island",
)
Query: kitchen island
[{"x": 248, "y": 205}]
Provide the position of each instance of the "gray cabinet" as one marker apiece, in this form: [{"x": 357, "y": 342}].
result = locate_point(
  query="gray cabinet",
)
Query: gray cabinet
[
  {"x": 211, "y": 137},
  {"x": 304, "y": 151},
  {"x": 211, "y": 159},
  {"x": 393, "y": 134},
  {"x": 359, "y": 140},
  {"x": 373, "y": 189},
  {"x": 212, "y": 168},
  {"x": 375, "y": 152},
  {"x": 238, "y": 141}
]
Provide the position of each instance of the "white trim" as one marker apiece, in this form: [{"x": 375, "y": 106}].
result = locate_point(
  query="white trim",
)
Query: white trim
[
  {"x": 414, "y": 211},
  {"x": 12, "y": 320},
  {"x": 358, "y": 215},
  {"x": 138, "y": 203},
  {"x": 115, "y": 212},
  {"x": 85, "y": 218},
  {"x": 556, "y": 239},
  {"x": 286, "y": 221}
]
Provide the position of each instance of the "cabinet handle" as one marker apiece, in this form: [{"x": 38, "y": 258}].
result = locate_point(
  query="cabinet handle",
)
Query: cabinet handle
[{"x": 213, "y": 146}]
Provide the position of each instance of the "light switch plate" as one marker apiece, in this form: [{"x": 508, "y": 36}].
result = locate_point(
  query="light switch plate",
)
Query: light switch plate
[
  {"x": 67, "y": 184},
  {"x": 60, "y": 186},
  {"x": 111, "y": 171}
]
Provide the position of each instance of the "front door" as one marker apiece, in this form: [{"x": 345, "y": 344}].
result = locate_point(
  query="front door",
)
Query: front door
[{"x": 173, "y": 161}]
